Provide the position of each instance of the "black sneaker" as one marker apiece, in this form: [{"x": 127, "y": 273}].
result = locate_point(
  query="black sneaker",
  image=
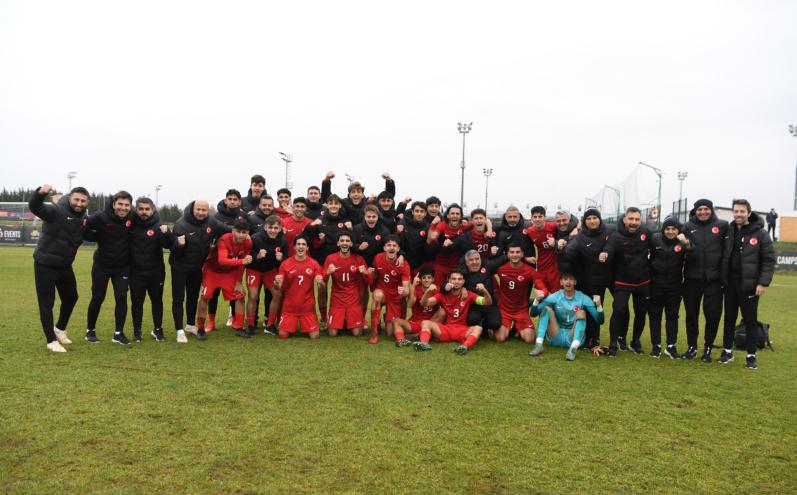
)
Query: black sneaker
[
  {"x": 622, "y": 345},
  {"x": 242, "y": 333},
  {"x": 91, "y": 336},
  {"x": 588, "y": 344},
  {"x": 656, "y": 352},
  {"x": 691, "y": 353},
  {"x": 157, "y": 334},
  {"x": 271, "y": 330},
  {"x": 636, "y": 347},
  {"x": 120, "y": 338},
  {"x": 671, "y": 352},
  {"x": 706, "y": 357},
  {"x": 200, "y": 334},
  {"x": 612, "y": 351},
  {"x": 250, "y": 331},
  {"x": 726, "y": 357},
  {"x": 137, "y": 335},
  {"x": 751, "y": 363}
]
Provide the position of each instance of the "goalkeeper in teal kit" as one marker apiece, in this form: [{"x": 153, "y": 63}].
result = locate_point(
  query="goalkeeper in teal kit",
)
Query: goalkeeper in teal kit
[{"x": 569, "y": 309}]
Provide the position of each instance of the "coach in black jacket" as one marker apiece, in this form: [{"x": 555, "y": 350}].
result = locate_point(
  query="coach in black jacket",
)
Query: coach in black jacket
[
  {"x": 627, "y": 250},
  {"x": 747, "y": 269},
  {"x": 594, "y": 277},
  {"x": 63, "y": 227},
  {"x": 147, "y": 270},
  {"x": 706, "y": 234},
  {"x": 111, "y": 230},
  {"x": 513, "y": 229},
  {"x": 666, "y": 269},
  {"x": 413, "y": 232}
]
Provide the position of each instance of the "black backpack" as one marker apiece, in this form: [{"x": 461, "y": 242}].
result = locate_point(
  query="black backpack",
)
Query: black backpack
[{"x": 740, "y": 336}]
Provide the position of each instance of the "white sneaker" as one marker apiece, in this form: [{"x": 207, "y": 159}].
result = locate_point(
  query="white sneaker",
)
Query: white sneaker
[
  {"x": 61, "y": 336},
  {"x": 56, "y": 346},
  {"x": 229, "y": 322},
  {"x": 181, "y": 338},
  {"x": 191, "y": 329}
]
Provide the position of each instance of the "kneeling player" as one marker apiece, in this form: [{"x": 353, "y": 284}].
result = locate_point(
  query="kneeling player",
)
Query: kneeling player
[
  {"x": 349, "y": 272},
  {"x": 269, "y": 241},
  {"x": 295, "y": 280},
  {"x": 456, "y": 305},
  {"x": 423, "y": 281},
  {"x": 223, "y": 269},
  {"x": 515, "y": 280},
  {"x": 569, "y": 308},
  {"x": 392, "y": 283}
]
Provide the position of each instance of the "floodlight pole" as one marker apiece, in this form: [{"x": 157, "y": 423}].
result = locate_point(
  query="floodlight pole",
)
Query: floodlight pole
[
  {"x": 793, "y": 131},
  {"x": 463, "y": 129},
  {"x": 288, "y": 159},
  {"x": 487, "y": 173},
  {"x": 659, "y": 173},
  {"x": 157, "y": 190},
  {"x": 681, "y": 178},
  {"x": 70, "y": 176}
]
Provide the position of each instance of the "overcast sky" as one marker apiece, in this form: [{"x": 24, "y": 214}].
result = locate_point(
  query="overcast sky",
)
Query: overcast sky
[{"x": 564, "y": 96}]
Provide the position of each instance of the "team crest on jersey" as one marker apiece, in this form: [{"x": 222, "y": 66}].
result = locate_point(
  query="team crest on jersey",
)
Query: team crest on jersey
[
  {"x": 340, "y": 225},
  {"x": 715, "y": 230},
  {"x": 208, "y": 230},
  {"x": 576, "y": 308},
  {"x": 308, "y": 271},
  {"x": 150, "y": 233},
  {"x": 520, "y": 278},
  {"x": 378, "y": 237},
  {"x": 393, "y": 272},
  {"x": 678, "y": 248},
  {"x": 423, "y": 233},
  {"x": 278, "y": 250},
  {"x": 353, "y": 268},
  {"x": 753, "y": 241},
  {"x": 128, "y": 224},
  {"x": 525, "y": 231},
  {"x": 643, "y": 237},
  {"x": 484, "y": 270}
]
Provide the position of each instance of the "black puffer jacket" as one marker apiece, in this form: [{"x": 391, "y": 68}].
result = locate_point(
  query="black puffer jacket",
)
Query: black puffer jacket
[
  {"x": 484, "y": 275},
  {"x": 565, "y": 265},
  {"x": 375, "y": 237},
  {"x": 146, "y": 246},
  {"x": 667, "y": 262},
  {"x": 112, "y": 235},
  {"x": 352, "y": 211},
  {"x": 226, "y": 215},
  {"x": 507, "y": 235},
  {"x": 249, "y": 203},
  {"x": 629, "y": 255},
  {"x": 62, "y": 231},
  {"x": 314, "y": 210},
  {"x": 754, "y": 254},
  {"x": 414, "y": 243},
  {"x": 199, "y": 236},
  {"x": 261, "y": 240},
  {"x": 593, "y": 276},
  {"x": 708, "y": 243},
  {"x": 256, "y": 221}
]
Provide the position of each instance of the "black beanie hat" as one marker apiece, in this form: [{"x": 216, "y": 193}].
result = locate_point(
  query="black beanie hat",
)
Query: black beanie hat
[
  {"x": 704, "y": 202},
  {"x": 591, "y": 212},
  {"x": 671, "y": 222}
]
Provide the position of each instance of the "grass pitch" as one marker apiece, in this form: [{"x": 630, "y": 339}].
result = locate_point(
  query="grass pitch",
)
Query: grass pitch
[{"x": 340, "y": 416}]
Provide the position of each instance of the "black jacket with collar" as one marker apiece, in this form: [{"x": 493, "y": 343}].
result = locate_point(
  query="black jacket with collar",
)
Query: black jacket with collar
[
  {"x": 112, "y": 235},
  {"x": 62, "y": 231},
  {"x": 756, "y": 255},
  {"x": 708, "y": 244}
]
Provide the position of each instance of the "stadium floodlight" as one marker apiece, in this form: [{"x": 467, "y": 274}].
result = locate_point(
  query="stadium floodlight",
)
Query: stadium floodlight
[
  {"x": 349, "y": 178},
  {"x": 287, "y": 158},
  {"x": 463, "y": 129},
  {"x": 157, "y": 190},
  {"x": 487, "y": 173},
  {"x": 659, "y": 173},
  {"x": 681, "y": 178},
  {"x": 71, "y": 175}
]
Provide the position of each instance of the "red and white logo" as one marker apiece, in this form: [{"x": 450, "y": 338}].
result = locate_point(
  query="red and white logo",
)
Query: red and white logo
[
  {"x": 525, "y": 231},
  {"x": 85, "y": 221},
  {"x": 678, "y": 248},
  {"x": 208, "y": 230},
  {"x": 520, "y": 278},
  {"x": 128, "y": 224},
  {"x": 576, "y": 308},
  {"x": 393, "y": 272},
  {"x": 753, "y": 241},
  {"x": 150, "y": 233},
  {"x": 308, "y": 271},
  {"x": 484, "y": 270},
  {"x": 340, "y": 225},
  {"x": 353, "y": 268},
  {"x": 278, "y": 250},
  {"x": 423, "y": 233},
  {"x": 378, "y": 237},
  {"x": 715, "y": 230},
  {"x": 643, "y": 237}
]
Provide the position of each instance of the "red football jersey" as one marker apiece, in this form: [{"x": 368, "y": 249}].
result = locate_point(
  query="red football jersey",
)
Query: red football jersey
[
  {"x": 297, "y": 286},
  {"x": 345, "y": 280},
  {"x": 420, "y": 313},
  {"x": 389, "y": 276},
  {"x": 456, "y": 307},
  {"x": 292, "y": 229},
  {"x": 227, "y": 256},
  {"x": 451, "y": 259},
  {"x": 545, "y": 242},
  {"x": 480, "y": 243},
  {"x": 515, "y": 286}
]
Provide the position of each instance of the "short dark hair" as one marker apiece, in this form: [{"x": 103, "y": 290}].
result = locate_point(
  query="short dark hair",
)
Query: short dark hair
[
  {"x": 301, "y": 200},
  {"x": 257, "y": 179},
  {"x": 514, "y": 245},
  {"x": 334, "y": 198},
  {"x": 233, "y": 192},
  {"x": 743, "y": 202},
  {"x": 345, "y": 233},
  {"x": 312, "y": 188},
  {"x": 241, "y": 223},
  {"x": 478, "y": 211},
  {"x": 419, "y": 204},
  {"x": 356, "y": 185},
  {"x": 121, "y": 195},
  {"x": 266, "y": 196},
  {"x": 456, "y": 270},
  {"x": 451, "y": 207},
  {"x": 145, "y": 200},
  {"x": 433, "y": 200},
  {"x": 426, "y": 270},
  {"x": 632, "y": 209},
  {"x": 301, "y": 237},
  {"x": 273, "y": 220},
  {"x": 79, "y": 190},
  {"x": 538, "y": 209},
  {"x": 284, "y": 190},
  {"x": 565, "y": 275},
  {"x": 392, "y": 238}
]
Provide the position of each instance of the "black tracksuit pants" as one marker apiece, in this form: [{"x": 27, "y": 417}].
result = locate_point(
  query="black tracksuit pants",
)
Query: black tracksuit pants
[
  {"x": 667, "y": 301},
  {"x": 142, "y": 284},
  {"x": 487, "y": 317},
  {"x": 711, "y": 295},
  {"x": 618, "y": 325},
  {"x": 736, "y": 299},
  {"x": 120, "y": 280},
  {"x": 185, "y": 289},
  {"x": 592, "y": 333},
  {"x": 48, "y": 280}
]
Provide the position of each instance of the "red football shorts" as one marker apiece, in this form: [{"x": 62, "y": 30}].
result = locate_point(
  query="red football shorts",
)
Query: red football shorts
[
  {"x": 415, "y": 326},
  {"x": 225, "y": 281},
  {"x": 345, "y": 317},
  {"x": 255, "y": 278},
  {"x": 520, "y": 320},
  {"x": 452, "y": 333},
  {"x": 393, "y": 307},
  {"x": 307, "y": 323}
]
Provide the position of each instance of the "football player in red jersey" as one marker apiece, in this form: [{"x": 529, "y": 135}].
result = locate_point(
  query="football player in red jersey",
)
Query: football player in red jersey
[
  {"x": 349, "y": 272},
  {"x": 456, "y": 304},
  {"x": 423, "y": 281},
  {"x": 391, "y": 285},
  {"x": 515, "y": 280},
  {"x": 439, "y": 235},
  {"x": 223, "y": 270},
  {"x": 295, "y": 224},
  {"x": 296, "y": 278},
  {"x": 543, "y": 236}
]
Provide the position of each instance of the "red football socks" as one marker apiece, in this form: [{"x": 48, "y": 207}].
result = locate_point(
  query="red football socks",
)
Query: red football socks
[
  {"x": 238, "y": 321},
  {"x": 425, "y": 336},
  {"x": 470, "y": 341},
  {"x": 399, "y": 332},
  {"x": 250, "y": 320},
  {"x": 200, "y": 322}
]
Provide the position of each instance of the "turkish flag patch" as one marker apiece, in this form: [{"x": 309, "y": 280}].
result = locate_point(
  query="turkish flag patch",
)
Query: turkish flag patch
[
  {"x": 208, "y": 230},
  {"x": 678, "y": 249},
  {"x": 423, "y": 233},
  {"x": 753, "y": 241},
  {"x": 128, "y": 224},
  {"x": 643, "y": 237},
  {"x": 715, "y": 230},
  {"x": 150, "y": 233},
  {"x": 340, "y": 225},
  {"x": 378, "y": 237}
]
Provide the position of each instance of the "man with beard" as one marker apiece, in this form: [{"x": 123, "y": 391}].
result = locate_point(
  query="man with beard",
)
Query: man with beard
[
  {"x": 414, "y": 232},
  {"x": 628, "y": 250},
  {"x": 193, "y": 234},
  {"x": 257, "y": 188},
  {"x": 594, "y": 277},
  {"x": 567, "y": 228},
  {"x": 706, "y": 234},
  {"x": 264, "y": 210},
  {"x": 513, "y": 230},
  {"x": 515, "y": 281},
  {"x": 111, "y": 230},
  {"x": 747, "y": 269},
  {"x": 349, "y": 272},
  {"x": 270, "y": 242},
  {"x": 147, "y": 270},
  {"x": 63, "y": 227},
  {"x": 227, "y": 211},
  {"x": 441, "y": 233}
]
